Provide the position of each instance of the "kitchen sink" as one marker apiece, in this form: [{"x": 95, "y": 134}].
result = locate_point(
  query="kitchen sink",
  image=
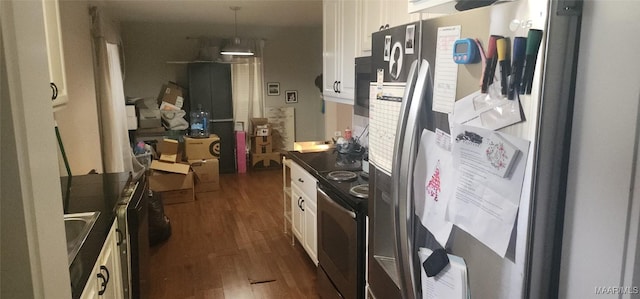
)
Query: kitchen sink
[{"x": 77, "y": 226}]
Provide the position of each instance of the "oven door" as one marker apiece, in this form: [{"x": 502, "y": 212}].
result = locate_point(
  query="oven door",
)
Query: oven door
[{"x": 338, "y": 245}]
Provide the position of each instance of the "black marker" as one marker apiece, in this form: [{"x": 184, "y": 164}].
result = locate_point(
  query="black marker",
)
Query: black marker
[
  {"x": 519, "y": 47},
  {"x": 533, "y": 44},
  {"x": 503, "y": 59}
]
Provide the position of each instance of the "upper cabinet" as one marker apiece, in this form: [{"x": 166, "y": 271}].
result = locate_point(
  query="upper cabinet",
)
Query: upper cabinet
[
  {"x": 375, "y": 15},
  {"x": 55, "y": 54},
  {"x": 339, "y": 50},
  {"x": 432, "y": 6}
]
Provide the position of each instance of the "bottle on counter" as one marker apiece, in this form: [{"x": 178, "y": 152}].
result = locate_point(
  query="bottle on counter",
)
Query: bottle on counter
[
  {"x": 347, "y": 134},
  {"x": 199, "y": 123}
]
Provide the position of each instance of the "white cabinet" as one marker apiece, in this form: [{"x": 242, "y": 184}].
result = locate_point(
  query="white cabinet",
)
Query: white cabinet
[
  {"x": 375, "y": 15},
  {"x": 286, "y": 194},
  {"x": 339, "y": 50},
  {"x": 55, "y": 54},
  {"x": 432, "y": 6},
  {"x": 304, "y": 210},
  {"x": 297, "y": 214},
  {"x": 105, "y": 280}
]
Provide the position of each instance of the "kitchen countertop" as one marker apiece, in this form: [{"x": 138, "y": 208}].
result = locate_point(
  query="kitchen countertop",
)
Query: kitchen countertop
[
  {"x": 319, "y": 164},
  {"x": 88, "y": 193}
]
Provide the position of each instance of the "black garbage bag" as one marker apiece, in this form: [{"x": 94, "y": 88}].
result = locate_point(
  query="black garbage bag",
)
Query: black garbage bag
[{"x": 159, "y": 224}]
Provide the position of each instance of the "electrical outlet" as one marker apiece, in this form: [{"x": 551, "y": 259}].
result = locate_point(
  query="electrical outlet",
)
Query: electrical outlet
[{"x": 337, "y": 134}]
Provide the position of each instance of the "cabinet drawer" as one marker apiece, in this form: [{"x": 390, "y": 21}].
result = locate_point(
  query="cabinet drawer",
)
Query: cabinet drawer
[{"x": 305, "y": 181}]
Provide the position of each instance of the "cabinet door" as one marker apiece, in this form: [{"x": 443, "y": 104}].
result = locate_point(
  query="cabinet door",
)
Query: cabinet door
[
  {"x": 330, "y": 37},
  {"x": 396, "y": 13},
  {"x": 199, "y": 87},
  {"x": 110, "y": 268},
  {"x": 297, "y": 213},
  {"x": 221, "y": 100},
  {"x": 55, "y": 53},
  {"x": 370, "y": 21},
  {"x": 348, "y": 41},
  {"x": 91, "y": 288},
  {"x": 311, "y": 230}
]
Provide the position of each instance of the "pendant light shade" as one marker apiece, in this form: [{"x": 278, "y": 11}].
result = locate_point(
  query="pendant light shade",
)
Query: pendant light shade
[{"x": 235, "y": 48}]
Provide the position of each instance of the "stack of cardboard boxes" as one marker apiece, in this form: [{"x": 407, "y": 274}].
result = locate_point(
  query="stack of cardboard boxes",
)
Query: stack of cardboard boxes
[
  {"x": 262, "y": 143},
  {"x": 202, "y": 154},
  {"x": 179, "y": 181}
]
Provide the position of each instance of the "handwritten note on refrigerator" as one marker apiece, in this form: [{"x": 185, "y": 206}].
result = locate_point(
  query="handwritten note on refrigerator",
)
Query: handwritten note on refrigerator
[{"x": 446, "y": 71}]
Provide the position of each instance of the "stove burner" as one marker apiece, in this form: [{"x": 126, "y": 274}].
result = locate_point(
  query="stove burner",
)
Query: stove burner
[
  {"x": 361, "y": 191},
  {"x": 341, "y": 175}
]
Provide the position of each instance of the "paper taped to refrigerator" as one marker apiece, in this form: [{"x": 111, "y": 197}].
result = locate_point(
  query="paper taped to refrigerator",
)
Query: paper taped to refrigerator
[
  {"x": 384, "y": 110},
  {"x": 445, "y": 77},
  {"x": 451, "y": 283},
  {"x": 433, "y": 183},
  {"x": 490, "y": 169}
]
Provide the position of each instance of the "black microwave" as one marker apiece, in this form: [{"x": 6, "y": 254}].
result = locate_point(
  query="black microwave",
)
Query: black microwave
[{"x": 363, "y": 81}]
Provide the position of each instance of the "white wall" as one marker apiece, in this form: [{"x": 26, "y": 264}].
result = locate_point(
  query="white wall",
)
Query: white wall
[
  {"x": 337, "y": 118},
  {"x": 292, "y": 57},
  {"x": 78, "y": 122},
  {"x": 600, "y": 231}
]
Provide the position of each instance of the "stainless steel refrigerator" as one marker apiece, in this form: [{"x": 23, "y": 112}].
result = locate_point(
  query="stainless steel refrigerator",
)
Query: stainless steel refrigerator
[{"x": 401, "y": 106}]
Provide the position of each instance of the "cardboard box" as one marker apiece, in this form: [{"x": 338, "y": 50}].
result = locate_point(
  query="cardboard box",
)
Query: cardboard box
[
  {"x": 132, "y": 122},
  {"x": 207, "y": 176},
  {"x": 168, "y": 150},
  {"x": 261, "y": 144},
  {"x": 260, "y": 127},
  {"x": 149, "y": 118},
  {"x": 266, "y": 159},
  {"x": 202, "y": 148},
  {"x": 172, "y": 94},
  {"x": 173, "y": 187},
  {"x": 178, "y": 168}
]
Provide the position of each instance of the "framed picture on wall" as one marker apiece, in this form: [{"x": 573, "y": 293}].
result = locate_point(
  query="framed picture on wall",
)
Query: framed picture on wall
[
  {"x": 291, "y": 96},
  {"x": 273, "y": 89}
]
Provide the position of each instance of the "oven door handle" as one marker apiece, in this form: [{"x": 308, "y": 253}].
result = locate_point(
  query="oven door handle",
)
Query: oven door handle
[{"x": 335, "y": 204}]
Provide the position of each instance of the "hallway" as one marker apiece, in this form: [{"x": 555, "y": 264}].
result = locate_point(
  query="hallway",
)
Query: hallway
[{"x": 230, "y": 244}]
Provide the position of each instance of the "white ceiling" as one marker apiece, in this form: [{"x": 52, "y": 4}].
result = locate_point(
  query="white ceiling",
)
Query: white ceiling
[{"x": 252, "y": 12}]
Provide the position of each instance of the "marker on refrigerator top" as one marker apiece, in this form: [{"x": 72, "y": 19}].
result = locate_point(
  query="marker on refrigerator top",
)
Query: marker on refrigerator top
[{"x": 534, "y": 38}]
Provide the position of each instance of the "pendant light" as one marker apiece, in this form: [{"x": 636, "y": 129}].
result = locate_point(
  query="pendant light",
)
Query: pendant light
[{"x": 235, "y": 48}]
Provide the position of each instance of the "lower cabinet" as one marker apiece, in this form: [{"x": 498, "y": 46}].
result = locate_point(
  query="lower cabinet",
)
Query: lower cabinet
[
  {"x": 304, "y": 221},
  {"x": 105, "y": 280}
]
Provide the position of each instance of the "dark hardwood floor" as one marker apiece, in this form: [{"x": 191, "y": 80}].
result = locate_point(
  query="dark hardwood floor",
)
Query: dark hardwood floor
[{"x": 231, "y": 244}]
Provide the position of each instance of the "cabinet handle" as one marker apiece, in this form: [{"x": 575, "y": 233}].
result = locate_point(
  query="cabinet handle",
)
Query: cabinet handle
[
  {"x": 386, "y": 26},
  {"x": 54, "y": 91},
  {"x": 105, "y": 280},
  {"x": 300, "y": 180},
  {"x": 299, "y": 199},
  {"x": 335, "y": 88},
  {"x": 339, "y": 86},
  {"x": 105, "y": 270},
  {"x": 302, "y": 205},
  {"x": 120, "y": 237},
  {"x": 103, "y": 284}
]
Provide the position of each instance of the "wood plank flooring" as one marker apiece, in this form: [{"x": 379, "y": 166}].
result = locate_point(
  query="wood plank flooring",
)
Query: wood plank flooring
[{"x": 231, "y": 244}]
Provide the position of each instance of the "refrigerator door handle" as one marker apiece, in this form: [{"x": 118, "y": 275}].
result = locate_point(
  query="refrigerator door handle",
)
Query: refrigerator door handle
[
  {"x": 407, "y": 140},
  {"x": 396, "y": 177}
]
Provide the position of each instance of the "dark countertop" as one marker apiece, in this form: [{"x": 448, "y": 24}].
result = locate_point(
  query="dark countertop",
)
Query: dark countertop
[
  {"x": 319, "y": 164},
  {"x": 88, "y": 193}
]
